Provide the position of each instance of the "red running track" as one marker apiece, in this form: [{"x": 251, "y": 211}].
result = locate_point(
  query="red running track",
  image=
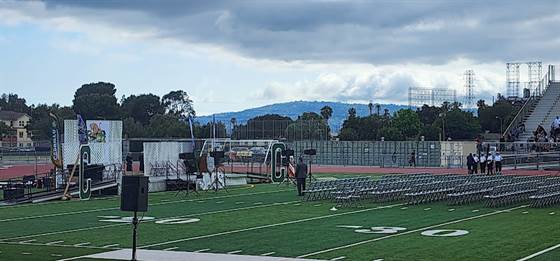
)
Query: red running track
[{"x": 7, "y": 172}]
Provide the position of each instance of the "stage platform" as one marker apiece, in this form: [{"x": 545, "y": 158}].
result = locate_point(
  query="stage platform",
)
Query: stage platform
[{"x": 159, "y": 255}]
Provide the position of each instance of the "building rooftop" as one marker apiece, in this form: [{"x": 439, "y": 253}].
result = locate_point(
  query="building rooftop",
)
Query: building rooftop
[{"x": 11, "y": 115}]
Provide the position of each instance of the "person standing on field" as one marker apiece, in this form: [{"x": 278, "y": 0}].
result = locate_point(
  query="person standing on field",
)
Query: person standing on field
[
  {"x": 301, "y": 175},
  {"x": 482, "y": 163}
]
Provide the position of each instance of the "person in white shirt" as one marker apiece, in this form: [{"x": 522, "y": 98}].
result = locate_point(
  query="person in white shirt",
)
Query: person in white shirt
[
  {"x": 498, "y": 159},
  {"x": 476, "y": 161},
  {"x": 490, "y": 164},
  {"x": 482, "y": 163}
]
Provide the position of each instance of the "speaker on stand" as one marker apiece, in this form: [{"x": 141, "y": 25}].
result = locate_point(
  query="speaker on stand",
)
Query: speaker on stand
[
  {"x": 134, "y": 198},
  {"x": 310, "y": 153}
]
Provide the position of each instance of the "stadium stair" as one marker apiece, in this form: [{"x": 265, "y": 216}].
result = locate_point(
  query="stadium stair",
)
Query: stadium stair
[{"x": 544, "y": 111}]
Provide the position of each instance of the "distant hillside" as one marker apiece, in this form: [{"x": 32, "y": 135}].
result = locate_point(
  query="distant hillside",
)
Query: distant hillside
[{"x": 296, "y": 108}]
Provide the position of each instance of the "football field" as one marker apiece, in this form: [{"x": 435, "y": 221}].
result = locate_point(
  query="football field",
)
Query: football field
[{"x": 271, "y": 220}]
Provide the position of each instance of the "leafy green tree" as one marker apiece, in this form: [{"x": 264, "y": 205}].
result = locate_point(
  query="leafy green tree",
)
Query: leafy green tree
[
  {"x": 4, "y": 129},
  {"x": 134, "y": 129},
  {"x": 96, "y": 101},
  {"x": 391, "y": 133},
  {"x": 167, "y": 126},
  {"x": 142, "y": 107},
  {"x": 269, "y": 126},
  {"x": 408, "y": 123},
  {"x": 178, "y": 103},
  {"x": 348, "y": 134}
]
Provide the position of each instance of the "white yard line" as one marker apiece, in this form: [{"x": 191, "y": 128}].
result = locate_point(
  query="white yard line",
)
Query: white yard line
[
  {"x": 269, "y": 226},
  {"x": 82, "y": 244},
  {"x": 171, "y": 248},
  {"x": 539, "y": 253},
  {"x": 109, "y": 246},
  {"x": 54, "y": 243},
  {"x": 234, "y": 252},
  {"x": 117, "y": 208},
  {"x": 202, "y": 250},
  {"x": 409, "y": 232},
  {"x": 338, "y": 258},
  {"x": 153, "y": 220},
  {"x": 268, "y": 254}
]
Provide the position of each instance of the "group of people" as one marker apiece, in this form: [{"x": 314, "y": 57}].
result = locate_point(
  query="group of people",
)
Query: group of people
[{"x": 487, "y": 163}]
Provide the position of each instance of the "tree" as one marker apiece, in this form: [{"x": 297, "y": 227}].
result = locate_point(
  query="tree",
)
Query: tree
[
  {"x": 167, "y": 126},
  {"x": 4, "y": 129},
  {"x": 326, "y": 112},
  {"x": 12, "y": 102},
  {"x": 428, "y": 114},
  {"x": 269, "y": 126},
  {"x": 370, "y": 107},
  {"x": 378, "y": 108},
  {"x": 178, "y": 103},
  {"x": 351, "y": 113},
  {"x": 408, "y": 123},
  {"x": 308, "y": 126},
  {"x": 391, "y": 133},
  {"x": 142, "y": 107},
  {"x": 96, "y": 101},
  {"x": 133, "y": 129}
]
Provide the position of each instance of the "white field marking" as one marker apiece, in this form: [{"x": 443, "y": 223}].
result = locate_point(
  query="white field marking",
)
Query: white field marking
[
  {"x": 219, "y": 202},
  {"x": 268, "y": 254},
  {"x": 525, "y": 212},
  {"x": 427, "y": 208},
  {"x": 410, "y": 231},
  {"x": 171, "y": 248},
  {"x": 153, "y": 220},
  {"x": 82, "y": 244},
  {"x": 234, "y": 252},
  {"x": 475, "y": 210},
  {"x": 338, "y": 258},
  {"x": 257, "y": 203},
  {"x": 298, "y": 204},
  {"x": 240, "y": 202},
  {"x": 28, "y": 241},
  {"x": 51, "y": 203},
  {"x": 317, "y": 205},
  {"x": 54, "y": 243},
  {"x": 403, "y": 208},
  {"x": 269, "y": 225},
  {"x": 25, "y": 253},
  {"x": 551, "y": 213},
  {"x": 202, "y": 250},
  {"x": 56, "y": 255},
  {"x": 380, "y": 259},
  {"x": 539, "y": 253},
  {"x": 451, "y": 209},
  {"x": 116, "y": 208},
  {"x": 112, "y": 245}
]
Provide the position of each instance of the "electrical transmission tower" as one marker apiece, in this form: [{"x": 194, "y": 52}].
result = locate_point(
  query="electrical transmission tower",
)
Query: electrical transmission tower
[{"x": 469, "y": 88}]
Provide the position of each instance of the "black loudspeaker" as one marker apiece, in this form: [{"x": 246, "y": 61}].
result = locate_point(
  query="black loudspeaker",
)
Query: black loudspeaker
[
  {"x": 310, "y": 152},
  {"x": 134, "y": 194},
  {"x": 217, "y": 154},
  {"x": 288, "y": 153},
  {"x": 186, "y": 156}
]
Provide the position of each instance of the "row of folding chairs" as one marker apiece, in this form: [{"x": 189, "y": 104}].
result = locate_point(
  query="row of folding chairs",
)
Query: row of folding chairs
[
  {"x": 546, "y": 196},
  {"x": 320, "y": 190},
  {"x": 471, "y": 191},
  {"x": 511, "y": 193},
  {"x": 430, "y": 192}
]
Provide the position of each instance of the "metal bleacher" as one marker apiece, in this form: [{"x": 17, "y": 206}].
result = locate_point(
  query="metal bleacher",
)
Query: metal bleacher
[{"x": 492, "y": 191}]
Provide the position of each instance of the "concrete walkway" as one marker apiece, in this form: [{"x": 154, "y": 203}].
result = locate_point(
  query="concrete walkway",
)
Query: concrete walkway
[{"x": 159, "y": 255}]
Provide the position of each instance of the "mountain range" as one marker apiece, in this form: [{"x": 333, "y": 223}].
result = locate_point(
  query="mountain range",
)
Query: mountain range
[{"x": 295, "y": 108}]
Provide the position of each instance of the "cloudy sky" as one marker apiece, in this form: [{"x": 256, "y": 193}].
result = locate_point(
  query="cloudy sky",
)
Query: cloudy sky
[{"x": 232, "y": 55}]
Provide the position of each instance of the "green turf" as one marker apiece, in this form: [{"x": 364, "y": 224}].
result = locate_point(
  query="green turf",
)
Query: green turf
[{"x": 271, "y": 218}]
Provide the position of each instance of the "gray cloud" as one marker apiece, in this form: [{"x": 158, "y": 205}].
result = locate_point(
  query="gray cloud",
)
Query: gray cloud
[{"x": 377, "y": 32}]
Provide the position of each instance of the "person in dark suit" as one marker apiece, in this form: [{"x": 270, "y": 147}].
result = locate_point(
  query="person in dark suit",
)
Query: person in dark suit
[{"x": 301, "y": 175}]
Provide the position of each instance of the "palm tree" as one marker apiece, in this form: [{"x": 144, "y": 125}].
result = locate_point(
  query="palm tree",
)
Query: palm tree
[
  {"x": 233, "y": 123},
  {"x": 386, "y": 113},
  {"x": 326, "y": 112},
  {"x": 370, "y": 107},
  {"x": 351, "y": 113},
  {"x": 378, "y": 108}
]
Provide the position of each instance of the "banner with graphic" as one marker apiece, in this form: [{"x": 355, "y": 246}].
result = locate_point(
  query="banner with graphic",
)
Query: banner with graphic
[
  {"x": 98, "y": 131},
  {"x": 56, "y": 150}
]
